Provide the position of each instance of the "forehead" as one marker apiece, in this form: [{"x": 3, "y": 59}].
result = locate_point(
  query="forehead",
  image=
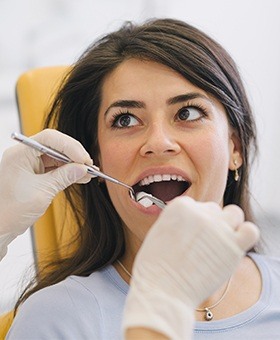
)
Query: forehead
[
  {"x": 134, "y": 77},
  {"x": 147, "y": 81}
]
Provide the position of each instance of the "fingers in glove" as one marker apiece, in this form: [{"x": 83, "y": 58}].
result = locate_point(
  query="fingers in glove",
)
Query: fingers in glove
[
  {"x": 59, "y": 179},
  {"x": 211, "y": 207},
  {"x": 50, "y": 163},
  {"x": 233, "y": 215},
  {"x": 64, "y": 144},
  {"x": 247, "y": 235}
]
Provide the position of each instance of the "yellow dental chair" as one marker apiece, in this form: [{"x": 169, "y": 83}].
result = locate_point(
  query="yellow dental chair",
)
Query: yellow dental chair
[{"x": 35, "y": 90}]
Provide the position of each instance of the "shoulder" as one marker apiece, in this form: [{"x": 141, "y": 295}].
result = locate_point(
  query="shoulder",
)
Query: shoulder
[
  {"x": 269, "y": 267},
  {"x": 102, "y": 285},
  {"x": 272, "y": 263},
  {"x": 73, "y": 308},
  {"x": 52, "y": 313}
]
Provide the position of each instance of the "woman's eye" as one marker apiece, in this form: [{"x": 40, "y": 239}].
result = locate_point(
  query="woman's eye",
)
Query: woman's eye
[
  {"x": 189, "y": 113},
  {"x": 124, "y": 120}
]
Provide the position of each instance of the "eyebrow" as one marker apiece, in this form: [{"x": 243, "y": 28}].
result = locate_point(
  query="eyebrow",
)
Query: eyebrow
[
  {"x": 171, "y": 101},
  {"x": 186, "y": 97},
  {"x": 126, "y": 103}
]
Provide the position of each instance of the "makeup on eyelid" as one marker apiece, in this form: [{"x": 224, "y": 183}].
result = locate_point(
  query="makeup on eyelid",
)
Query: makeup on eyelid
[{"x": 126, "y": 117}]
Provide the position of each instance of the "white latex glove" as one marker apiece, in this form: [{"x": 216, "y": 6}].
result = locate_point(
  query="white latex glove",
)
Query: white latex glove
[
  {"x": 189, "y": 252},
  {"x": 29, "y": 181}
]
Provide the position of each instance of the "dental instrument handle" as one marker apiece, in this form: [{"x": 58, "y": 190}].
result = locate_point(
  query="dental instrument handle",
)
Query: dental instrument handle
[
  {"x": 40, "y": 147},
  {"x": 92, "y": 170}
]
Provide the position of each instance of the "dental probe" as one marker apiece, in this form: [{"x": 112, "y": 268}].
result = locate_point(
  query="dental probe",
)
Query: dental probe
[
  {"x": 148, "y": 200},
  {"x": 92, "y": 170}
]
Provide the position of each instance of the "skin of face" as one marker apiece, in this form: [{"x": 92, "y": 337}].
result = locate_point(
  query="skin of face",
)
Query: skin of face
[{"x": 143, "y": 130}]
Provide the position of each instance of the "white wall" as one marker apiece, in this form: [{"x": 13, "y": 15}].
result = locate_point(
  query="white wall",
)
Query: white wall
[{"x": 45, "y": 32}]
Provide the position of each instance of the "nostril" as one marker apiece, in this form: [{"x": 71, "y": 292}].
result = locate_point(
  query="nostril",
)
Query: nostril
[{"x": 159, "y": 150}]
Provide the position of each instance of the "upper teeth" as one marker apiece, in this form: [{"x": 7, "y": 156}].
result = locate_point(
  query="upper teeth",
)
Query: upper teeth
[{"x": 159, "y": 178}]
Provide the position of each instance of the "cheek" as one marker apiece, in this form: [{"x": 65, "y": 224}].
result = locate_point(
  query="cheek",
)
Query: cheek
[
  {"x": 210, "y": 158},
  {"x": 209, "y": 147},
  {"x": 115, "y": 157}
]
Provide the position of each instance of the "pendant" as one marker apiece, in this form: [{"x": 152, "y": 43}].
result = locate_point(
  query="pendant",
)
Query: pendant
[{"x": 208, "y": 314}]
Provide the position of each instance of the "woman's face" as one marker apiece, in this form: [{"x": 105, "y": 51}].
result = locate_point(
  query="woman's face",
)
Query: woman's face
[{"x": 163, "y": 135}]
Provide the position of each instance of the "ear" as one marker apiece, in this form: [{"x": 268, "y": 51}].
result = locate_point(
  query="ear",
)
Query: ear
[{"x": 235, "y": 160}]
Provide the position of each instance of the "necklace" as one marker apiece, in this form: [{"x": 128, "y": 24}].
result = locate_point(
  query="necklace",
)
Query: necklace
[
  {"x": 208, "y": 316},
  {"x": 124, "y": 269}
]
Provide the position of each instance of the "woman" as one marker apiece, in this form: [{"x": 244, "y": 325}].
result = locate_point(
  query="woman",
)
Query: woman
[
  {"x": 23, "y": 201},
  {"x": 160, "y": 107}
]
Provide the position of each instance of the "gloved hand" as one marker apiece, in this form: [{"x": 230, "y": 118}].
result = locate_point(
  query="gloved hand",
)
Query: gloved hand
[
  {"x": 189, "y": 252},
  {"x": 29, "y": 181}
]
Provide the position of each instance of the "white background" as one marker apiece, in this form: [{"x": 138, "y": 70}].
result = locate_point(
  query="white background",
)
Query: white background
[{"x": 52, "y": 32}]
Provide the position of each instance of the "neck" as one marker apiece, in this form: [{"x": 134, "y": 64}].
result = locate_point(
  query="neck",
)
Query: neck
[
  {"x": 133, "y": 245},
  {"x": 207, "y": 308},
  {"x": 243, "y": 291},
  {"x": 124, "y": 268}
]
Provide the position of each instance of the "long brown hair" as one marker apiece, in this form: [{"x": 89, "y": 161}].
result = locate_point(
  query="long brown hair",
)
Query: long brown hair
[{"x": 194, "y": 55}]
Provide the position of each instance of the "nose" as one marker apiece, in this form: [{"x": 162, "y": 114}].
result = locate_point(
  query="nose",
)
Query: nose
[{"x": 160, "y": 140}]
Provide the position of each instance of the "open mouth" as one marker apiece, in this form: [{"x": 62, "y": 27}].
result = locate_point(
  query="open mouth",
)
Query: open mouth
[{"x": 165, "y": 187}]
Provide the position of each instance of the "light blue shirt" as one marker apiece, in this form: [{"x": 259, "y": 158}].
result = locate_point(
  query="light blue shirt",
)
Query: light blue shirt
[{"x": 91, "y": 308}]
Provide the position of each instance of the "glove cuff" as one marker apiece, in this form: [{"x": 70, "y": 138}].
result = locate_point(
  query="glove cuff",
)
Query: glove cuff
[
  {"x": 4, "y": 242},
  {"x": 160, "y": 313}
]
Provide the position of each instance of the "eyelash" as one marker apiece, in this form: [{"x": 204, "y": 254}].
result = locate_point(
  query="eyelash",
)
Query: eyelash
[
  {"x": 199, "y": 107},
  {"x": 116, "y": 116}
]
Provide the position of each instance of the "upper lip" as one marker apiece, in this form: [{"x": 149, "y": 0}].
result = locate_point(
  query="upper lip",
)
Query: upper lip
[{"x": 162, "y": 171}]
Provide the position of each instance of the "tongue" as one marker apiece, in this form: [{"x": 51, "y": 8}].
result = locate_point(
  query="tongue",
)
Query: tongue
[{"x": 166, "y": 191}]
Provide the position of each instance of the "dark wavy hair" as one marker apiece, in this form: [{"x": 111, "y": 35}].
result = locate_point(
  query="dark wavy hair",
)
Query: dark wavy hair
[{"x": 188, "y": 51}]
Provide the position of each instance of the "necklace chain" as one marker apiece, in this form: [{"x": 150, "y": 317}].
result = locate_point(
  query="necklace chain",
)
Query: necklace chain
[
  {"x": 124, "y": 269},
  {"x": 207, "y": 310}
]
